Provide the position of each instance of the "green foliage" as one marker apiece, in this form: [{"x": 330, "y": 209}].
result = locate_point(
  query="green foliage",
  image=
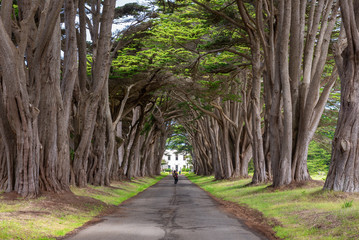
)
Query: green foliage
[
  {"x": 214, "y": 87},
  {"x": 221, "y": 37},
  {"x": 223, "y": 62},
  {"x": 178, "y": 42},
  {"x": 15, "y": 9},
  {"x": 72, "y": 154},
  {"x": 185, "y": 106},
  {"x": 89, "y": 64},
  {"x": 178, "y": 140},
  {"x": 179, "y": 28},
  {"x": 215, "y": 84},
  {"x": 319, "y": 153},
  {"x": 347, "y": 204},
  {"x": 129, "y": 9},
  {"x": 131, "y": 61},
  {"x": 251, "y": 167},
  {"x": 318, "y": 159},
  {"x": 163, "y": 46},
  {"x": 148, "y": 124}
]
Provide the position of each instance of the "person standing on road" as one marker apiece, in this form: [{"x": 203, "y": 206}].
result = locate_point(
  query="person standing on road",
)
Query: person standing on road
[{"x": 175, "y": 176}]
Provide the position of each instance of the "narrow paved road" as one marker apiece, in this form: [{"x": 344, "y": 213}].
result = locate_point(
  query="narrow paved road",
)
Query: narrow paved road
[{"x": 167, "y": 211}]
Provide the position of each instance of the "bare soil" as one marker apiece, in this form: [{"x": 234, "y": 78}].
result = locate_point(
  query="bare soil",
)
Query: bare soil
[
  {"x": 296, "y": 185},
  {"x": 52, "y": 203},
  {"x": 48, "y": 204}
]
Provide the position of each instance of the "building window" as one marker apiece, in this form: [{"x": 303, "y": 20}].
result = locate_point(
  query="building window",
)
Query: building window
[
  {"x": 169, "y": 157},
  {"x": 169, "y": 166},
  {"x": 176, "y": 167},
  {"x": 176, "y": 156}
]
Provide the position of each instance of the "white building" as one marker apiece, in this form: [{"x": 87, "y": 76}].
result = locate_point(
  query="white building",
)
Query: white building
[{"x": 174, "y": 161}]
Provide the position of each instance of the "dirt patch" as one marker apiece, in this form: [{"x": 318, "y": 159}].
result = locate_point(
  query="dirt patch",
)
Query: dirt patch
[
  {"x": 296, "y": 185},
  {"x": 51, "y": 203},
  {"x": 329, "y": 223},
  {"x": 117, "y": 188},
  {"x": 10, "y": 196},
  {"x": 252, "y": 218},
  {"x": 57, "y": 204},
  {"x": 70, "y": 202},
  {"x": 320, "y": 220},
  {"x": 97, "y": 192},
  {"x": 332, "y": 196}
]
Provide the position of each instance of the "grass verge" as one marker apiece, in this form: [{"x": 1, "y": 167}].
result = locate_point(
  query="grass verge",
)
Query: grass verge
[
  {"x": 303, "y": 212},
  {"x": 54, "y": 215}
]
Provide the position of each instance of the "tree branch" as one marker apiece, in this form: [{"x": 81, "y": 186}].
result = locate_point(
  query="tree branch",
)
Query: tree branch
[{"x": 123, "y": 103}]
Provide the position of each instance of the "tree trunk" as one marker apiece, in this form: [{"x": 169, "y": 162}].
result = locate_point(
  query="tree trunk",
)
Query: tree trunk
[
  {"x": 22, "y": 117},
  {"x": 131, "y": 151},
  {"x": 67, "y": 89},
  {"x": 89, "y": 102},
  {"x": 282, "y": 148},
  {"x": 343, "y": 173},
  {"x": 50, "y": 102},
  {"x": 259, "y": 175}
]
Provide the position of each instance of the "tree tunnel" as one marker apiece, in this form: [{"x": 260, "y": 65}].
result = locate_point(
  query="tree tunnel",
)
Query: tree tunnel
[{"x": 243, "y": 82}]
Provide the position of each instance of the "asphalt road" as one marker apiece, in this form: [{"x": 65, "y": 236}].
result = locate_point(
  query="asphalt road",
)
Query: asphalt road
[{"x": 167, "y": 211}]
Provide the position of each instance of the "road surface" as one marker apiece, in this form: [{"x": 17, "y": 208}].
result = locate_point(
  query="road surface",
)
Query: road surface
[{"x": 167, "y": 211}]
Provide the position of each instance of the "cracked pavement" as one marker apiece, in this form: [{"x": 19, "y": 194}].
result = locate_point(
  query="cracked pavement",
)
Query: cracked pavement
[{"x": 167, "y": 211}]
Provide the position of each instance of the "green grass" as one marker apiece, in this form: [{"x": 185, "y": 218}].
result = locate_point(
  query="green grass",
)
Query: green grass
[
  {"x": 347, "y": 204},
  {"x": 48, "y": 218},
  {"x": 23, "y": 223},
  {"x": 304, "y": 213},
  {"x": 119, "y": 191}
]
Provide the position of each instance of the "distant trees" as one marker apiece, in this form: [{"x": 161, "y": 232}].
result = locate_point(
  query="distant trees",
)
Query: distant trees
[
  {"x": 215, "y": 135},
  {"x": 287, "y": 89}
]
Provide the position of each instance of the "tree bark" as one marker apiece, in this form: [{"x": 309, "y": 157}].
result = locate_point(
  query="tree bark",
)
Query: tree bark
[
  {"x": 23, "y": 90},
  {"x": 90, "y": 99},
  {"x": 343, "y": 173}
]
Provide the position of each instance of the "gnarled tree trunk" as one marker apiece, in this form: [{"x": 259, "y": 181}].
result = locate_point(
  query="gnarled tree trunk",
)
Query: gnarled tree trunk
[
  {"x": 343, "y": 173},
  {"x": 90, "y": 98}
]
